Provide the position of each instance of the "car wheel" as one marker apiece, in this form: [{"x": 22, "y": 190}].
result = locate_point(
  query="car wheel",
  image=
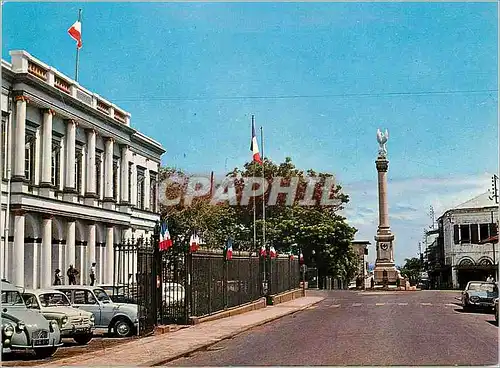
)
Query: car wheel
[
  {"x": 83, "y": 339},
  {"x": 123, "y": 328},
  {"x": 43, "y": 353}
]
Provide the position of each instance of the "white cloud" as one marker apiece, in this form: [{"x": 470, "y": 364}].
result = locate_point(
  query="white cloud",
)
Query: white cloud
[{"x": 409, "y": 205}]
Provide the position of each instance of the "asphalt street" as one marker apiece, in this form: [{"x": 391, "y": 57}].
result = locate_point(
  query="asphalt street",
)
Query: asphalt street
[{"x": 364, "y": 328}]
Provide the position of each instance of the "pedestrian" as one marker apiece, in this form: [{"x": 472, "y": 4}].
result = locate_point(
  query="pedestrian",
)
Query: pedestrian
[
  {"x": 72, "y": 273},
  {"x": 92, "y": 274},
  {"x": 490, "y": 278},
  {"x": 57, "y": 277},
  {"x": 372, "y": 282}
]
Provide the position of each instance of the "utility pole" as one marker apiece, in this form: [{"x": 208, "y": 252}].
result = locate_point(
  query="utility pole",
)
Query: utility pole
[
  {"x": 494, "y": 188},
  {"x": 432, "y": 214}
]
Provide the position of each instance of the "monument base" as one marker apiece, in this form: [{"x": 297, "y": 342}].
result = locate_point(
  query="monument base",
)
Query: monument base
[{"x": 386, "y": 272}]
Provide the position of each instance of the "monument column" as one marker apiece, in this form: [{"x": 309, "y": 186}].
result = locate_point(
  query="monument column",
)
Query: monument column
[{"x": 385, "y": 271}]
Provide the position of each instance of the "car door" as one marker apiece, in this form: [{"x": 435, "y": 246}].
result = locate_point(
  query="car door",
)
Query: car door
[
  {"x": 106, "y": 305},
  {"x": 85, "y": 300}
]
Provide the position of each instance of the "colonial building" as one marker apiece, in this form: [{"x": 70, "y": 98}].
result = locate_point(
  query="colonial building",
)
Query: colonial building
[
  {"x": 76, "y": 177},
  {"x": 465, "y": 247}
]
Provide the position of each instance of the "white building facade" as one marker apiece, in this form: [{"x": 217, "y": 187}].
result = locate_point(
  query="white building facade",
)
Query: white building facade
[
  {"x": 465, "y": 230},
  {"x": 76, "y": 178}
]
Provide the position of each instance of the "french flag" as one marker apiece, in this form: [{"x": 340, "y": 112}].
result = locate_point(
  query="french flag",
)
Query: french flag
[
  {"x": 262, "y": 252},
  {"x": 165, "y": 239},
  {"x": 272, "y": 252},
  {"x": 194, "y": 243},
  {"x": 254, "y": 147},
  {"x": 229, "y": 250},
  {"x": 75, "y": 31}
]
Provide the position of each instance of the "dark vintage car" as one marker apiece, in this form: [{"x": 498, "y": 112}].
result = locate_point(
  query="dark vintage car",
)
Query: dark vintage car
[{"x": 479, "y": 295}]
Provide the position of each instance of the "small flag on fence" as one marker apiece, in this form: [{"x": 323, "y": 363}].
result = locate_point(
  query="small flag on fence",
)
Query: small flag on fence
[
  {"x": 229, "y": 250},
  {"x": 291, "y": 256},
  {"x": 262, "y": 252},
  {"x": 194, "y": 243},
  {"x": 272, "y": 252},
  {"x": 165, "y": 239}
]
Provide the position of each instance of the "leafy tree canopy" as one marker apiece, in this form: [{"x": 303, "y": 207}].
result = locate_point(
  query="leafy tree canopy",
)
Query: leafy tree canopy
[{"x": 316, "y": 230}]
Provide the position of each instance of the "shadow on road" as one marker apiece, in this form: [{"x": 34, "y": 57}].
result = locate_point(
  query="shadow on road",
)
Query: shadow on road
[
  {"x": 476, "y": 311},
  {"x": 493, "y": 323}
]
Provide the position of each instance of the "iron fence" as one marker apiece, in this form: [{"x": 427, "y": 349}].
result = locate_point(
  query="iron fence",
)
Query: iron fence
[{"x": 171, "y": 286}]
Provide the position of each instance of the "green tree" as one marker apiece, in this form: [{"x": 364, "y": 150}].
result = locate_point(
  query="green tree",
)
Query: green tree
[
  {"x": 317, "y": 230},
  {"x": 412, "y": 269}
]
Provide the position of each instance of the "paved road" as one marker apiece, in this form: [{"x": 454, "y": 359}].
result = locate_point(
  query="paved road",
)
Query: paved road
[{"x": 354, "y": 328}]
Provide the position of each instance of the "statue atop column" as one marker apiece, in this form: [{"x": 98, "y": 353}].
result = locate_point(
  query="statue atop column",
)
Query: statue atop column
[
  {"x": 382, "y": 140},
  {"x": 385, "y": 270}
]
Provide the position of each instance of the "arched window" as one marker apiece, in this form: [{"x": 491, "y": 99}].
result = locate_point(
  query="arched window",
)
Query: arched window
[
  {"x": 485, "y": 262},
  {"x": 466, "y": 262}
]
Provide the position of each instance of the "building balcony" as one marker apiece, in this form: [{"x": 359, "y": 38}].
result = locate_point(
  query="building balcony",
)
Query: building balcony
[{"x": 23, "y": 62}]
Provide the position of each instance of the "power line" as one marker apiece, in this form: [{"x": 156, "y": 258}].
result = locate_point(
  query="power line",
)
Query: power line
[{"x": 282, "y": 97}]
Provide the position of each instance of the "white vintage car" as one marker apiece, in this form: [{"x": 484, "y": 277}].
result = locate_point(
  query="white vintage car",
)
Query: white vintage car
[
  {"x": 54, "y": 305},
  {"x": 24, "y": 329}
]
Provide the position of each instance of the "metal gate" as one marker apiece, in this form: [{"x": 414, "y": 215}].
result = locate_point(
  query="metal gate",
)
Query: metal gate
[
  {"x": 174, "y": 287},
  {"x": 136, "y": 279}
]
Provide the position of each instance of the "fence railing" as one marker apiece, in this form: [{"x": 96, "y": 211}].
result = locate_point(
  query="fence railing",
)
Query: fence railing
[{"x": 174, "y": 285}]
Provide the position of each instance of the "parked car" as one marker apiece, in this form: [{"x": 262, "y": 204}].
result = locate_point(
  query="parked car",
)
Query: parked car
[
  {"x": 118, "y": 318},
  {"x": 479, "y": 294},
  {"x": 120, "y": 293},
  {"x": 496, "y": 310},
  {"x": 173, "y": 293},
  {"x": 23, "y": 328},
  {"x": 54, "y": 305}
]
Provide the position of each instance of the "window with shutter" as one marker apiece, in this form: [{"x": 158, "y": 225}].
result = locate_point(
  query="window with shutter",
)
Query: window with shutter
[
  {"x": 474, "y": 234},
  {"x": 484, "y": 231},
  {"x": 464, "y": 234},
  {"x": 456, "y": 234}
]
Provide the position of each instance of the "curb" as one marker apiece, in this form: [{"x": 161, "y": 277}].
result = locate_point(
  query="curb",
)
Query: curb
[{"x": 158, "y": 362}]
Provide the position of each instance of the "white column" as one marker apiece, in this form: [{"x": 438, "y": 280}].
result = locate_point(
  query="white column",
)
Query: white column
[
  {"x": 108, "y": 169},
  {"x": 91, "y": 245},
  {"x": 18, "y": 252},
  {"x": 83, "y": 173},
  {"x": 47, "y": 147},
  {"x": 133, "y": 187},
  {"x": 20, "y": 137},
  {"x": 38, "y": 158},
  {"x": 147, "y": 184},
  {"x": 46, "y": 258},
  {"x": 62, "y": 164},
  {"x": 70, "y": 155},
  {"x": 70, "y": 247},
  {"x": 108, "y": 264},
  {"x": 91, "y": 168},
  {"x": 124, "y": 176}
]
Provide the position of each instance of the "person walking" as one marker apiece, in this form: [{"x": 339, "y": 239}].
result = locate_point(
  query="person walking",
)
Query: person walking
[
  {"x": 92, "y": 274},
  {"x": 72, "y": 273},
  {"x": 57, "y": 277}
]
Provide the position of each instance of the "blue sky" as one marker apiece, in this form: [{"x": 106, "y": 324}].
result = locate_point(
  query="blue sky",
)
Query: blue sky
[{"x": 320, "y": 78}]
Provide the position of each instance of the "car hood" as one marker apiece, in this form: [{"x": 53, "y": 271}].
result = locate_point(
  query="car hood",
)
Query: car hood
[
  {"x": 29, "y": 317},
  {"x": 66, "y": 311},
  {"x": 483, "y": 294},
  {"x": 126, "y": 307}
]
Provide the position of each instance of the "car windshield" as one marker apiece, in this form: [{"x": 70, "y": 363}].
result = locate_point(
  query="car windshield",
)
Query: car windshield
[
  {"x": 54, "y": 300},
  {"x": 12, "y": 298},
  {"x": 483, "y": 287},
  {"x": 101, "y": 295}
]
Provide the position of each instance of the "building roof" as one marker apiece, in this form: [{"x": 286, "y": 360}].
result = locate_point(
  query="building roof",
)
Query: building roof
[{"x": 481, "y": 201}]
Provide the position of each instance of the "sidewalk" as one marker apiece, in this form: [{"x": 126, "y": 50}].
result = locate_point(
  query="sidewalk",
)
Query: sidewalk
[{"x": 154, "y": 350}]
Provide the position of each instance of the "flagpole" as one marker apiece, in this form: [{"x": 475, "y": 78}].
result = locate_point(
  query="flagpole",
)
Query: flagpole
[
  {"x": 77, "y": 49},
  {"x": 263, "y": 190},
  {"x": 253, "y": 198}
]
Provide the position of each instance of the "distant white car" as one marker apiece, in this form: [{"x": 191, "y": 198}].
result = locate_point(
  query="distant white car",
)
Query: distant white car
[{"x": 173, "y": 293}]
